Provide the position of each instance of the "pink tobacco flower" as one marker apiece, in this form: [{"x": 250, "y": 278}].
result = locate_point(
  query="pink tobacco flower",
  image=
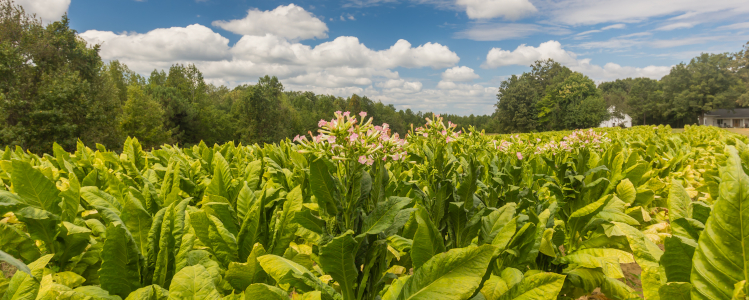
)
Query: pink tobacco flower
[
  {"x": 520, "y": 156},
  {"x": 363, "y": 114},
  {"x": 322, "y": 123},
  {"x": 362, "y": 159}
]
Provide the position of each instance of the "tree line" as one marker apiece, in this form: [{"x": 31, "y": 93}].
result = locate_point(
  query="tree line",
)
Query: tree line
[{"x": 553, "y": 97}]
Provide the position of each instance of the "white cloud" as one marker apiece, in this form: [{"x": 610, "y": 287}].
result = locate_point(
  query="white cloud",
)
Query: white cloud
[
  {"x": 586, "y": 12},
  {"x": 673, "y": 26},
  {"x": 526, "y": 55},
  {"x": 194, "y": 42},
  {"x": 615, "y": 26},
  {"x": 488, "y": 9},
  {"x": 459, "y": 74},
  {"x": 505, "y": 31},
  {"x": 343, "y": 51},
  {"x": 290, "y": 22},
  {"x": 742, "y": 25},
  {"x": 48, "y": 10}
]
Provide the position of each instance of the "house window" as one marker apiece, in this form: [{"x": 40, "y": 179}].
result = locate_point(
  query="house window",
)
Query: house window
[{"x": 720, "y": 121}]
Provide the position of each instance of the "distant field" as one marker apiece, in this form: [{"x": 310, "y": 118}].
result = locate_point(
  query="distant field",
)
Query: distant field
[{"x": 744, "y": 131}]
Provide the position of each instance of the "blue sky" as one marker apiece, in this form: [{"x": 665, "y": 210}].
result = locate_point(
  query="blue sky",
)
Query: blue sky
[{"x": 431, "y": 55}]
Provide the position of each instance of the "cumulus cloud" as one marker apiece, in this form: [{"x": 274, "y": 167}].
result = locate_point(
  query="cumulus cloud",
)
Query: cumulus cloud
[
  {"x": 343, "y": 51},
  {"x": 526, "y": 55},
  {"x": 194, "y": 42},
  {"x": 48, "y": 10},
  {"x": 290, "y": 22},
  {"x": 459, "y": 74},
  {"x": 488, "y": 9}
]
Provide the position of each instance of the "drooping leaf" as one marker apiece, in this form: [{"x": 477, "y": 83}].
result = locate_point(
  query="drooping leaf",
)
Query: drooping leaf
[
  {"x": 193, "y": 282},
  {"x": 121, "y": 263},
  {"x": 675, "y": 291},
  {"x": 678, "y": 201},
  {"x": 213, "y": 234},
  {"x": 151, "y": 292},
  {"x": 323, "y": 187},
  {"x": 34, "y": 188},
  {"x": 428, "y": 241},
  {"x": 677, "y": 259},
  {"x": 626, "y": 191},
  {"x": 455, "y": 274},
  {"x": 337, "y": 260},
  {"x": 286, "y": 227},
  {"x": 261, "y": 291},
  {"x": 538, "y": 286},
  {"x": 289, "y": 274},
  {"x": 241, "y": 275},
  {"x": 138, "y": 221},
  {"x": 221, "y": 179},
  {"x": 384, "y": 215}
]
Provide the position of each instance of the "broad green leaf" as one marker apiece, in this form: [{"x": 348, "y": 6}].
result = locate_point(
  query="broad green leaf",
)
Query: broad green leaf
[
  {"x": 138, "y": 221},
  {"x": 722, "y": 255},
  {"x": 96, "y": 293},
  {"x": 193, "y": 282},
  {"x": 538, "y": 286},
  {"x": 121, "y": 263},
  {"x": 71, "y": 198},
  {"x": 384, "y": 214},
  {"x": 18, "y": 243},
  {"x": 626, "y": 191},
  {"x": 337, "y": 260},
  {"x": 308, "y": 221},
  {"x": 289, "y": 274},
  {"x": 677, "y": 259},
  {"x": 221, "y": 180},
  {"x": 675, "y": 291},
  {"x": 259, "y": 291},
  {"x": 96, "y": 197},
  {"x": 213, "y": 234},
  {"x": 678, "y": 201},
  {"x": 323, "y": 187},
  {"x": 495, "y": 221},
  {"x": 34, "y": 188},
  {"x": 245, "y": 198},
  {"x": 455, "y": 274},
  {"x": 151, "y": 292},
  {"x": 428, "y": 241},
  {"x": 74, "y": 238},
  {"x": 41, "y": 225},
  {"x": 241, "y": 275},
  {"x": 285, "y": 227}
]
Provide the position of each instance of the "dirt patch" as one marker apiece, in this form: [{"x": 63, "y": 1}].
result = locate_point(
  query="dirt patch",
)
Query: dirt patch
[
  {"x": 632, "y": 276},
  {"x": 7, "y": 269}
]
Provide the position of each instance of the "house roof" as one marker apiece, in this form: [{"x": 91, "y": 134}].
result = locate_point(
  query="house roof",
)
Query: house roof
[{"x": 729, "y": 113}]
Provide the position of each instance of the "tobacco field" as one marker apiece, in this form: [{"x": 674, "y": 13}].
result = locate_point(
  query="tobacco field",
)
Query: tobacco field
[{"x": 352, "y": 212}]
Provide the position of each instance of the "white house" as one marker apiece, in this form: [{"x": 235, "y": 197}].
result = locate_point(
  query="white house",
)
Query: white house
[
  {"x": 614, "y": 121},
  {"x": 730, "y": 118}
]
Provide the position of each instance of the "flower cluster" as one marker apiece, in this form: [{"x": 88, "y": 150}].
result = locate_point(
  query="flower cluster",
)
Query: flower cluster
[
  {"x": 435, "y": 127},
  {"x": 344, "y": 139},
  {"x": 578, "y": 139}
]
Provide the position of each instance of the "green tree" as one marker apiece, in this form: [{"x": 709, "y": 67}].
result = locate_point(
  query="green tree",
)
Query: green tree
[
  {"x": 52, "y": 85},
  {"x": 518, "y": 96},
  {"x": 572, "y": 104},
  {"x": 143, "y": 117},
  {"x": 645, "y": 102},
  {"x": 706, "y": 83}
]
